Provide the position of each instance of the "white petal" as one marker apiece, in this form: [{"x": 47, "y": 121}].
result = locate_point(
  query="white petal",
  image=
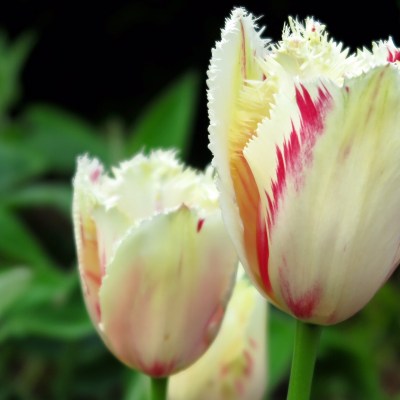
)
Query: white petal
[
  {"x": 234, "y": 60},
  {"x": 307, "y": 52},
  {"x": 382, "y": 53},
  {"x": 235, "y": 365},
  {"x": 334, "y": 240},
  {"x": 87, "y": 178},
  {"x": 165, "y": 291}
]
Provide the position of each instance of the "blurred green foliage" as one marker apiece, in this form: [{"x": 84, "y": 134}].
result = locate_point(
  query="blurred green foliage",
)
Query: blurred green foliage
[{"x": 49, "y": 348}]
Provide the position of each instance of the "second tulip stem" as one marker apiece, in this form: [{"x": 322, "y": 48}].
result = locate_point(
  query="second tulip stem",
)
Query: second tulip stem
[
  {"x": 304, "y": 355},
  {"x": 159, "y": 388}
]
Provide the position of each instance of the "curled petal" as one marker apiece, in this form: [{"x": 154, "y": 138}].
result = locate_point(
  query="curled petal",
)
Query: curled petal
[{"x": 239, "y": 96}]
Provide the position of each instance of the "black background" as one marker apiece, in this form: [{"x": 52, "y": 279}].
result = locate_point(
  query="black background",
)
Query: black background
[{"x": 99, "y": 59}]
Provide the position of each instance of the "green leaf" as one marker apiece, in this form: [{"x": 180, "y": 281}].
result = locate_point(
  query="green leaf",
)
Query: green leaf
[
  {"x": 50, "y": 287},
  {"x": 17, "y": 244},
  {"x": 352, "y": 340},
  {"x": 52, "y": 308},
  {"x": 17, "y": 164},
  {"x": 167, "y": 121},
  {"x": 13, "y": 283},
  {"x": 58, "y": 196},
  {"x": 281, "y": 338},
  {"x": 12, "y": 59},
  {"x": 57, "y": 322},
  {"x": 59, "y": 137}
]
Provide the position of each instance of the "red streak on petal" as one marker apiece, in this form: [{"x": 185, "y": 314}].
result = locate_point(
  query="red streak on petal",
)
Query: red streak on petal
[
  {"x": 94, "y": 175},
  {"x": 249, "y": 363},
  {"x": 98, "y": 311},
  {"x": 239, "y": 387},
  {"x": 200, "y": 224},
  {"x": 93, "y": 277},
  {"x": 263, "y": 249},
  {"x": 393, "y": 57},
  {"x": 160, "y": 369},
  {"x": 297, "y": 152},
  {"x": 253, "y": 343},
  {"x": 248, "y": 199},
  {"x": 103, "y": 263},
  {"x": 302, "y": 306},
  {"x": 213, "y": 324}
]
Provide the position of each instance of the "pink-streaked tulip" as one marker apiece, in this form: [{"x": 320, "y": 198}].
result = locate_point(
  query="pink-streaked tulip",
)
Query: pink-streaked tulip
[
  {"x": 306, "y": 143},
  {"x": 156, "y": 265},
  {"x": 234, "y": 367}
]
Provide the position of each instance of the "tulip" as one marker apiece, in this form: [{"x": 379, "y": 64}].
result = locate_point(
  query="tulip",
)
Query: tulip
[
  {"x": 155, "y": 263},
  {"x": 306, "y": 143},
  {"x": 234, "y": 367}
]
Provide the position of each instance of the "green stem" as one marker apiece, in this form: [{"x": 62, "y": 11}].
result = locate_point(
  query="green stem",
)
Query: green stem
[
  {"x": 159, "y": 388},
  {"x": 304, "y": 356}
]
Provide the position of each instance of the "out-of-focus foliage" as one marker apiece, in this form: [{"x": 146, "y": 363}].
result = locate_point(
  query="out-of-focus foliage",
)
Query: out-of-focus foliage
[
  {"x": 167, "y": 121},
  {"x": 48, "y": 346}
]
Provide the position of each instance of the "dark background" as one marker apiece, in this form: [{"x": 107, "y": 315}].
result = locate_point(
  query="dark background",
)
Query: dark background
[{"x": 103, "y": 58}]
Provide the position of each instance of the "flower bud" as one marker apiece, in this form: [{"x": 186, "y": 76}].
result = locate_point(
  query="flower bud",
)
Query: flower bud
[{"x": 155, "y": 262}]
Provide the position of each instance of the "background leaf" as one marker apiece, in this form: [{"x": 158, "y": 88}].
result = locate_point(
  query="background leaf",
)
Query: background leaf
[
  {"x": 167, "y": 121},
  {"x": 13, "y": 283},
  {"x": 12, "y": 59},
  {"x": 52, "y": 308},
  {"x": 17, "y": 164},
  {"x": 58, "y": 196},
  {"x": 59, "y": 137},
  {"x": 17, "y": 244}
]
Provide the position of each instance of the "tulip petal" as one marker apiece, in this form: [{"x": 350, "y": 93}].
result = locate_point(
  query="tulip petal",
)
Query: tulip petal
[
  {"x": 306, "y": 51},
  {"x": 234, "y": 367},
  {"x": 336, "y": 149},
  {"x": 88, "y": 175},
  {"x": 383, "y": 52},
  {"x": 239, "y": 98},
  {"x": 158, "y": 327}
]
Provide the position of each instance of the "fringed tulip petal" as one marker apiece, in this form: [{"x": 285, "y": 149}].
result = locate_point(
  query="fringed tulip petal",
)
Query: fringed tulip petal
[
  {"x": 156, "y": 264},
  {"x": 235, "y": 78},
  {"x": 320, "y": 232}
]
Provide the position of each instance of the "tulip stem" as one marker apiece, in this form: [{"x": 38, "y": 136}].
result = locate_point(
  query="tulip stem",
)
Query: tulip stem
[
  {"x": 304, "y": 355},
  {"x": 159, "y": 388}
]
